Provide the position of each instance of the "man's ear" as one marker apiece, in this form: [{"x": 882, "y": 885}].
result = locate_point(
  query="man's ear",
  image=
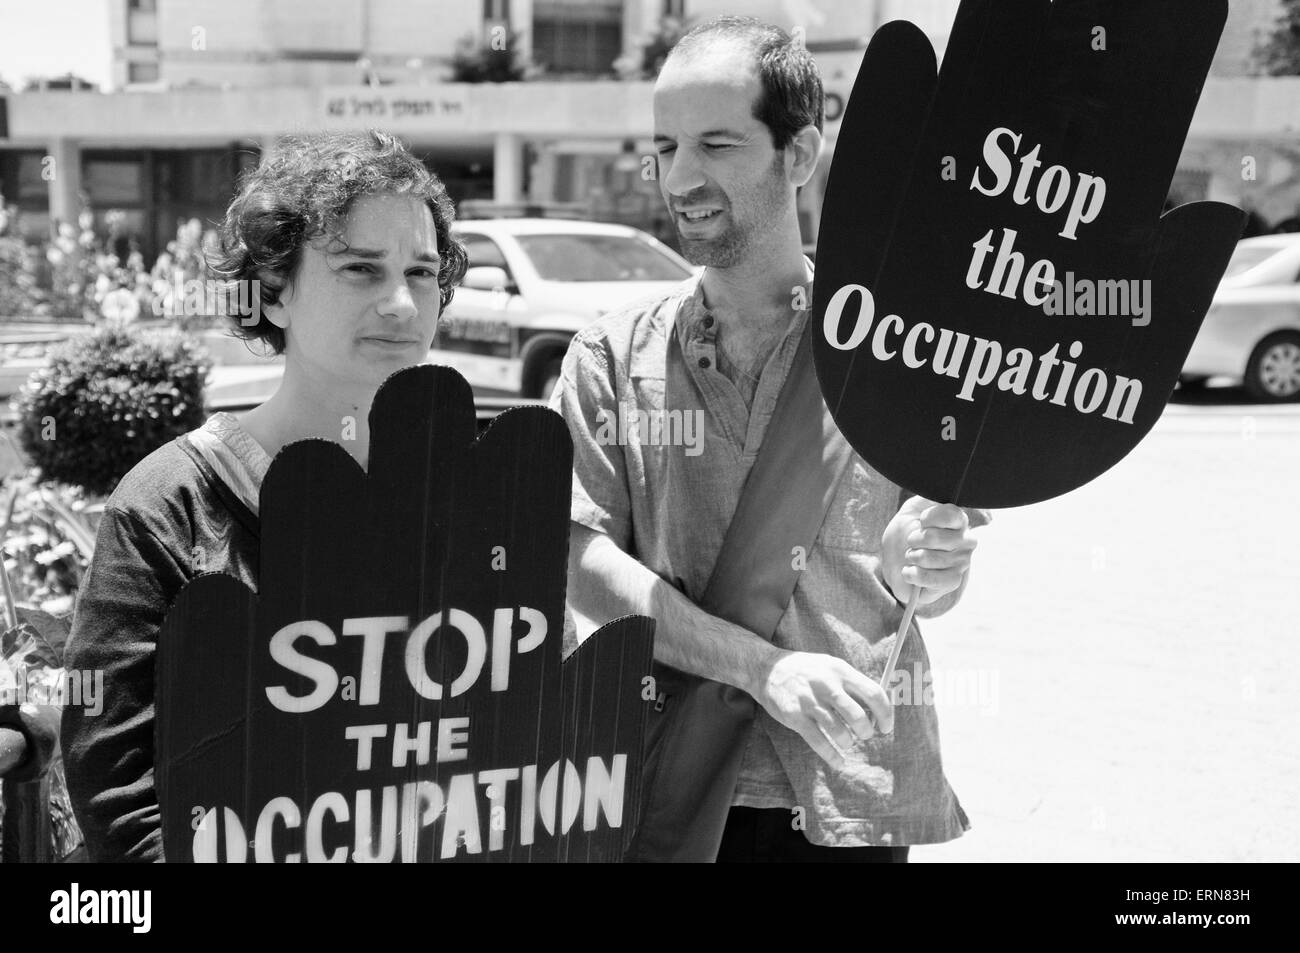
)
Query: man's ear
[{"x": 805, "y": 149}]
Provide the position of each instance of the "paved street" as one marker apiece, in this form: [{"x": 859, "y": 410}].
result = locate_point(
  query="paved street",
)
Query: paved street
[{"x": 1136, "y": 646}]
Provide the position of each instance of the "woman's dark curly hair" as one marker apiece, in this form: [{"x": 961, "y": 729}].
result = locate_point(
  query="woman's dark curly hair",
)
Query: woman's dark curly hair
[{"x": 304, "y": 192}]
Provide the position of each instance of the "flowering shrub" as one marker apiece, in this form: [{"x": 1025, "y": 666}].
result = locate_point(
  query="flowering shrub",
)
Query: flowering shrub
[
  {"x": 107, "y": 400},
  {"x": 20, "y": 291},
  {"x": 76, "y": 276},
  {"x": 75, "y": 263},
  {"x": 47, "y": 537}
]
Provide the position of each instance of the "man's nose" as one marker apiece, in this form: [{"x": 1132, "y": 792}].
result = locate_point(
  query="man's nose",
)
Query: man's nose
[
  {"x": 399, "y": 303},
  {"x": 684, "y": 173}
]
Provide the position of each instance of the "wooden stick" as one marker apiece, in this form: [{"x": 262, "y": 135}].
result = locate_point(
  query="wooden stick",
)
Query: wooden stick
[{"x": 899, "y": 638}]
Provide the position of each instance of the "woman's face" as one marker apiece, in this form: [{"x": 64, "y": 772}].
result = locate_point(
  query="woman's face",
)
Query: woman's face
[{"x": 352, "y": 317}]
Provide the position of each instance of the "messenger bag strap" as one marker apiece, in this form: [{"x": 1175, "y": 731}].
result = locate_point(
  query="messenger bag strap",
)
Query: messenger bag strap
[
  {"x": 695, "y": 748},
  {"x": 783, "y": 504}
]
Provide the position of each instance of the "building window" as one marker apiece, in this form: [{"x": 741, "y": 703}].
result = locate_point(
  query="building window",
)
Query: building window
[
  {"x": 142, "y": 72},
  {"x": 192, "y": 183},
  {"x": 21, "y": 185},
  {"x": 676, "y": 9},
  {"x": 578, "y": 36},
  {"x": 143, "y": 6},
  {"x": 496, "y": 10},
  {"x": 33, "y": 192}
]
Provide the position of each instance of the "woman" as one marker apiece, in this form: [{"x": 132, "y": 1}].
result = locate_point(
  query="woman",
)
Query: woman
[{"x": 348, "y": 237}]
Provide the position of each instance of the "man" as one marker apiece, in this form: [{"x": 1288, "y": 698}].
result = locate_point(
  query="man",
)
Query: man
[{"x": 831, "y": 770}]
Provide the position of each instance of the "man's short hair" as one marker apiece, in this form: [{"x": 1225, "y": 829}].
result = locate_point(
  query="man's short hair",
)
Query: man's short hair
[
  {"x": 303, "y": 192},
  {"x": 792, "y": 96}
]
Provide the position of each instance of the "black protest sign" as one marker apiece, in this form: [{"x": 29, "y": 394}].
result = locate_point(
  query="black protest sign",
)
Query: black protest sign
[
  {"x": 395, "y": 691},
  {"x": 1001, "y": 311}
]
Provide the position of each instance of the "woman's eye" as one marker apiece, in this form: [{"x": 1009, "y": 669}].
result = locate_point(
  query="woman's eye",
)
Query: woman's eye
[
  {"x": 667, "y": 150},
  {"x": 360, "y": 268},
  {"x": 423, "y": 273}
]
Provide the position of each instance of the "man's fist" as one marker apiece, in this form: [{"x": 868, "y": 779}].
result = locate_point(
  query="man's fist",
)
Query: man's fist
[
  {"x": 826, "y": 700},
  {"x": 927, "y": 545}
]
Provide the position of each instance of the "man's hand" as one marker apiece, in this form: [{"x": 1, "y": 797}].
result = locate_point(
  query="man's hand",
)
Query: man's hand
[
  {"x": 826, "y": 700},
  {"x": 927, "y": 545}
]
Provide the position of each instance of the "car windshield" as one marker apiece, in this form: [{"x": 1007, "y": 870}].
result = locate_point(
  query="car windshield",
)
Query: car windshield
[
  {"x": 599, "y": 258},
  {"x": 1247, "y": 257}
]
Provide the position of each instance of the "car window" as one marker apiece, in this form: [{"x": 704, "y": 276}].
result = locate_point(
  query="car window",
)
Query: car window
[
  {"x": 483, "y": 252},
  {"x": 1247, "y": 257},
  {"x": 599, "y": 258}
]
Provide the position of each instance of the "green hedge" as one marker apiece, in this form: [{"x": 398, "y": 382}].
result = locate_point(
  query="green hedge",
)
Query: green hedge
[{"x": 107, "y": 400}]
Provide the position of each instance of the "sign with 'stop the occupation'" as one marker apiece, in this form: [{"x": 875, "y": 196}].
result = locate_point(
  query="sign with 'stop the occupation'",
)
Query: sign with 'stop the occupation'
[
  {"x": 1001, "y": 310},
  {"x": 395, "y": 692}
]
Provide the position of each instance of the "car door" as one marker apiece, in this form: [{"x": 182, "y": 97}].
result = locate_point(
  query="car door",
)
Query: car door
[{"x": 475, "y": 334}]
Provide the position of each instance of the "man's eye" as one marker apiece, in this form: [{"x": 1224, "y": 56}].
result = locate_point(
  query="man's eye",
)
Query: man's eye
[
  {"x": 360, "y": 268},
  {"x": 715, "y": 146},
  {"x": 423, "y": 273},
  {"x": 666, "y": 150}
]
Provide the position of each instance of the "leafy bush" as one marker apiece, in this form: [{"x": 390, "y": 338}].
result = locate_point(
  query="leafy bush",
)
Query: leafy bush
[
  {"x": 474, "y": 62},
  {"x": 107, "y": 400},
  {"x": 47, "y": 538},
  {"x": 1279, "y": 53},
  {"x": 645, "y": 62}
]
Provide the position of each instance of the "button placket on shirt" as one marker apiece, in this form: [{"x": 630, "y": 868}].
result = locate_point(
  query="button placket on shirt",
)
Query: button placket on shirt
[{"x": 702, "y": 362}]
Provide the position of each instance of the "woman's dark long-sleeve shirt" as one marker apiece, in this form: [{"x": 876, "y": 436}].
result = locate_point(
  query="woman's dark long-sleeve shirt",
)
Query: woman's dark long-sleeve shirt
[{"x": 171, "y": 518}]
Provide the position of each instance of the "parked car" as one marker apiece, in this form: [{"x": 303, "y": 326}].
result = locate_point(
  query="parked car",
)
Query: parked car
[
  {"x": 1252, "y": 331},
  {"x": 534, "y": 283}
]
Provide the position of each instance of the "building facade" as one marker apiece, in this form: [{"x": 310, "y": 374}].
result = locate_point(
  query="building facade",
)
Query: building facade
[{"x": 205, "y": 87}]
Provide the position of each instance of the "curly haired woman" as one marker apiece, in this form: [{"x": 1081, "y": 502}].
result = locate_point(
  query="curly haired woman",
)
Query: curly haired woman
[{"x": 348, "y": 238}]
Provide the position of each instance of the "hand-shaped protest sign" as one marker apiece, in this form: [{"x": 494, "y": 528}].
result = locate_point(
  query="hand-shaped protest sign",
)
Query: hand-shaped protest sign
[
  {"x": 395, "y": 690},
  {"x": 1000, "y": 311}
]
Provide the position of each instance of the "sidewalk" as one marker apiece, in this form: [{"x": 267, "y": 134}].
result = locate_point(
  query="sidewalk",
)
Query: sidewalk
[{"x": 1143, "y": 638}]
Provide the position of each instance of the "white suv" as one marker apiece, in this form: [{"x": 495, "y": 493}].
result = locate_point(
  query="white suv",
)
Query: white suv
[{"x": 532, "y": 284}]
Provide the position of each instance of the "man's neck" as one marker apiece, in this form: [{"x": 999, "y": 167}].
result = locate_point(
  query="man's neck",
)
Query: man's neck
[
  {"x": 754, "y": 305},
  {"x": 756, "y": 298}
]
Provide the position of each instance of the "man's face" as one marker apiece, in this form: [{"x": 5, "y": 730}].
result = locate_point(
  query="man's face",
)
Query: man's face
[
  {"x": 352, "y": 317},
  {"x": 721, "y": 177}
]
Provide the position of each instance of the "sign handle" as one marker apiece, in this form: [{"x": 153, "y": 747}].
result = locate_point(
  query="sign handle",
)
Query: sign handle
[{"x": 899, "y": 638}]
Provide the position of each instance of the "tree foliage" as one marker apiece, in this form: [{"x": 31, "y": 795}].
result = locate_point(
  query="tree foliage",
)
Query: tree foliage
[{"x": 1279, "y": 54}]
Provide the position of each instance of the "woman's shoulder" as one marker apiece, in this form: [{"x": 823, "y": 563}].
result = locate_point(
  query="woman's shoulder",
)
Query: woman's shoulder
[
  {"x": 162, "y": 488},
  {"x": 165, "y": 468}
]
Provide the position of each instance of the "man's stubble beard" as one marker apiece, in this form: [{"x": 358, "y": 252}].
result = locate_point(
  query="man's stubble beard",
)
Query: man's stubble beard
[{"x": 735, "y": 243}]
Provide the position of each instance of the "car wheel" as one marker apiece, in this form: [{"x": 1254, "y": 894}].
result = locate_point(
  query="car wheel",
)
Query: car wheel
[
  {"x": 1273, "y": 371},
  {"x": 550, "y": 377}
]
